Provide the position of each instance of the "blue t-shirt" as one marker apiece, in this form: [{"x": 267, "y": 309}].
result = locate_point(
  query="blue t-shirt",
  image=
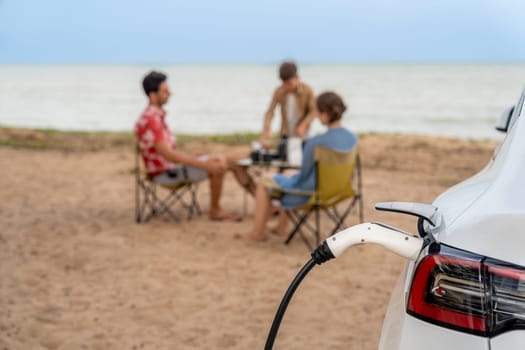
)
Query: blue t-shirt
[{"x": 339, "y": 139}]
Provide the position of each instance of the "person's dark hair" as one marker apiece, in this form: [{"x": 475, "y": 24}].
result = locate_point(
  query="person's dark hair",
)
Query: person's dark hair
[
  {"x": 287, "y": 70},
  {"x": 152, "y": 82},
  {"x": 331, "y": 104}
]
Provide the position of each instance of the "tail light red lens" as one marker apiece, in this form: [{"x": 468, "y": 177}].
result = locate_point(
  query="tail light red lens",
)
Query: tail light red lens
[{"x": 468, "y": 292}]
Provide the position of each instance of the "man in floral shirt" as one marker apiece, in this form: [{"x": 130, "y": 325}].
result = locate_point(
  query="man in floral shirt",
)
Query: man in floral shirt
[{"x": 164, "y": 163}]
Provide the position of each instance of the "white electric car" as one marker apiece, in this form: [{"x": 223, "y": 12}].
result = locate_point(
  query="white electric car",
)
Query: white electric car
[{"x": 466, "y": 289}]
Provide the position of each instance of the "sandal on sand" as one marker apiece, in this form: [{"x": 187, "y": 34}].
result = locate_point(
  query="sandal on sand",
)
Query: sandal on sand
[{"x": 226, "y": 217}]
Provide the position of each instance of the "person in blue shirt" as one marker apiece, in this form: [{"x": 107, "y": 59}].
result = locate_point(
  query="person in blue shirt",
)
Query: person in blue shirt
[{"x": 330, "y": 108}]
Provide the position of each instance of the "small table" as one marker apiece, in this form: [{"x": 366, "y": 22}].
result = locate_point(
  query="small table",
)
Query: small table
[
  {"x": 257, "y": 167},
  {"x": 275, "y": 163}
]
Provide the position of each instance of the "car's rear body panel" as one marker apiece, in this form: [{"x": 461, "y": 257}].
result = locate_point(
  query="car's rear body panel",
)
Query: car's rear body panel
[
  {"x": 514, "y": 340},
  {"x": 484, "y": 215}
]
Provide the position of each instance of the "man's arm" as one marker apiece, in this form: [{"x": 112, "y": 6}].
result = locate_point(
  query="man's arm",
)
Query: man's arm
[
  {"x": 213, "y": 166},
  {"x": 304, "y": 125},
  {"x": 269, "y": 116}
]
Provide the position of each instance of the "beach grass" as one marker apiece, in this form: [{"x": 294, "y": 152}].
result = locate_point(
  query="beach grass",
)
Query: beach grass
[
  {"x": 44, "y": 139},
  {"x": 69, "y": 141}
]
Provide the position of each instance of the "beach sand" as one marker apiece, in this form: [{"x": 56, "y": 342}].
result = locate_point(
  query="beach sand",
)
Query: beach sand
[{"x": 76, "y": 271}]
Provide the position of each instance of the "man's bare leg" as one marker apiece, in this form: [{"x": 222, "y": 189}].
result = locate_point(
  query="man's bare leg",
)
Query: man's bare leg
[
  {"x": 216, "y": 182},
  {"x": 216, "y": 212},
  {"x": 282, "y": 224},
  {"x": 262, "y": 209},
  {"x": 241, "y": 175}
]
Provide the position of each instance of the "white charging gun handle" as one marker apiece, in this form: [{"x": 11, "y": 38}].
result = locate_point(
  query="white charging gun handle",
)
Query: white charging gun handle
[{"x": 402, "y": 243}]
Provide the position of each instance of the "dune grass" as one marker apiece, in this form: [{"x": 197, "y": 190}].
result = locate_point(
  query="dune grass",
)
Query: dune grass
[
  {"x": 53, "y": 139},
  {"x": 44, "y": 139}
]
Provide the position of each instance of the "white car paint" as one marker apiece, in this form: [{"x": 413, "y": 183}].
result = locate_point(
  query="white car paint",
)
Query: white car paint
[
  {"x": 496, "y": 211},
  {"x": 484, "y": 215}
]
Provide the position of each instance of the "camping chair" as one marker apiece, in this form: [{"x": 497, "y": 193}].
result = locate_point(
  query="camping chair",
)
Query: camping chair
[
  {"x": 338, "y": 179},
  {"x": 149, "y": 203}
]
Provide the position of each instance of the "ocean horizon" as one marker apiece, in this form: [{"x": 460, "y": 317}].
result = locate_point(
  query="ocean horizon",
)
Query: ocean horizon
[{"x": 438, "y": 99}]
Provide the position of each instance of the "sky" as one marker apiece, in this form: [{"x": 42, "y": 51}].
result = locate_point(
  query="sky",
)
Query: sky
[{"x": 263, "y": 31}]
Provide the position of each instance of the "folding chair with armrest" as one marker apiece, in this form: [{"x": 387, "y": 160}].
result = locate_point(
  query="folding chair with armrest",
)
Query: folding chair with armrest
[
  {"x": 149, "y": 202},
  {"x": 338, "y": 179}
]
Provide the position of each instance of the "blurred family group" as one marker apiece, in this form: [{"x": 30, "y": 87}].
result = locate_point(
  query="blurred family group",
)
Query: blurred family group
[{"x": 166, "y": 164}]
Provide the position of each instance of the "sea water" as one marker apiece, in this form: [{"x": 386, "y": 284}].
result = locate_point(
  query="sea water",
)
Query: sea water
[{"x": 461, "y": 100}]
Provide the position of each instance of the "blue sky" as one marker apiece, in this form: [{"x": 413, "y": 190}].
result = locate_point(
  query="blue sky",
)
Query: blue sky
[{"x": 264, "y": 31}]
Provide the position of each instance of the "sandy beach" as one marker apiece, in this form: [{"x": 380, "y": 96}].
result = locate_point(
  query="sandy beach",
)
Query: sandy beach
[{"x": 76, "y": 271}]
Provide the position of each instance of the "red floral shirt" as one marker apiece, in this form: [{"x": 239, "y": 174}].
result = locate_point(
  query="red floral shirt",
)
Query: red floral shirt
[{"x": 150, "y": 129}]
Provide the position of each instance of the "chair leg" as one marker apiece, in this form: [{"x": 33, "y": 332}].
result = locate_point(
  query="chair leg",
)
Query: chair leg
[
  {"x": 342, "y": 217},
  {"x": 337, "y": 219},
  {"x": 193, "y": 206},
  {"x": 317, "y": 228},
  {"x": 298, "y": 222},
  {"x": 163, "y": 206},
  {"x": 149, "y": 203},
  {"x": 292, "y": 216},
  {"x": 359, "y": 196},
  {"x": 194, "y": 200},
  {"x": 177, "y": 196},
  {"x": 180, "y": 199},
  {"x": 137, "y": 201},
  {"x": 361, "y": 213}
]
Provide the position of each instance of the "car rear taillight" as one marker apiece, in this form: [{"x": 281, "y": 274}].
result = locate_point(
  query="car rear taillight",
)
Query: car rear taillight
[
  {"x": 506, "y": 287},
  {"x": 468, "y": 292}
]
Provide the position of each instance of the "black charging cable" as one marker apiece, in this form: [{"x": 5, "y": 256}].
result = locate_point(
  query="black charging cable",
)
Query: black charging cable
[{"x": 319, "y": 256}]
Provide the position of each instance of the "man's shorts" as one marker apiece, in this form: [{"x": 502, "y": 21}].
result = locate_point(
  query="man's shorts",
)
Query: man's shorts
[{"x": 181, "y": 173}]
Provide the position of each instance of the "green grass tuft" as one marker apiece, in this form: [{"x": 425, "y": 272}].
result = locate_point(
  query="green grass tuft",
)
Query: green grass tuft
[{"x": 42, "y": 139}]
